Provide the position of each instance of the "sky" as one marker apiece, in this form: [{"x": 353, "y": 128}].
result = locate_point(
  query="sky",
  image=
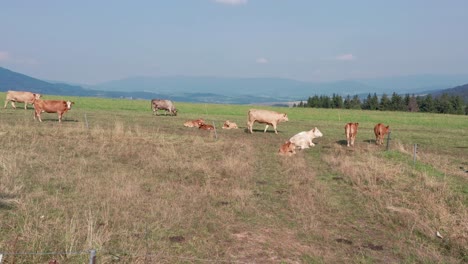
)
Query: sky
[{"x": 89, "y": 41}]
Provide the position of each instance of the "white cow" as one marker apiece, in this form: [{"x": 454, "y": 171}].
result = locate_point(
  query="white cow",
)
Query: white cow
[{"x": 303, "y": 139}]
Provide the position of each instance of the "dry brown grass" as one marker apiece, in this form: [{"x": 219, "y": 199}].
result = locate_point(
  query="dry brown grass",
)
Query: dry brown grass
[{"x": 144, "y": 189}]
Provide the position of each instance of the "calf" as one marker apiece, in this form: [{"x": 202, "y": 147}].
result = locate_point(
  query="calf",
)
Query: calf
[
  {"x": 265, "y": 117},
  {"x": 351, "y": 132},
  {"x": 304, "y": 139},
  {"x": 194, "y": 123},
  {"x": 380, "y": 131},
  {"x": 51, "y": 106},
  {"x": 287, "y": 149},
  {"x": 206, "y": 127},
  {"x": 229, "y": 125},
  {"x": 20, "y": 97}
]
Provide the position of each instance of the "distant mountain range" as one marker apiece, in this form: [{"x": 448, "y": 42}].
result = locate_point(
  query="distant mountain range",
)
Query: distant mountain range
[{"x": 233, "y": 90}]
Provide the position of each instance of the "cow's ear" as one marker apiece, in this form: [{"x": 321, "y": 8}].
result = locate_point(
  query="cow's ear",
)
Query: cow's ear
[{"x": 285, "y": 115}]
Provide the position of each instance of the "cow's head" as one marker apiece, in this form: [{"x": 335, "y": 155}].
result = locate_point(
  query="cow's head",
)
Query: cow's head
[
  {"x": 316, "y": 132},
  {"x": 69, "y": 104},
  {"x": 284, "y": 117},
  {"x": 174, "y": 111},
  {"x": 37, "y": 96}
]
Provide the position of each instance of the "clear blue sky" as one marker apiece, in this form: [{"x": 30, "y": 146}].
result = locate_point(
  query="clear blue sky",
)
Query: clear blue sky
[{"x": 90, "y": 41}]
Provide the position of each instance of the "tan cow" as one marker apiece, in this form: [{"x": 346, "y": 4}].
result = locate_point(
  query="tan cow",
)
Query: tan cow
[
  {"x": 51, "y": 106},
  {"x": 229, "y": 125},
  {"x": 287, "y": 149},
  {"x": 194, "y": 123},
  {"x": 265, "y": 117},
  {"x": 304, "y": 139},
  {"x": 20, "y": 97},
  {"x": 380, "y": 130},
  {"x": 351, "y": 132},
  {"x": 206, "y": 127},
  {"x": 160, "y": 104}
]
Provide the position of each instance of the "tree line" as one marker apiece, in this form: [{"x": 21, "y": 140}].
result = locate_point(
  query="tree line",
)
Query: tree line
[{"x": 444, "y": 104}]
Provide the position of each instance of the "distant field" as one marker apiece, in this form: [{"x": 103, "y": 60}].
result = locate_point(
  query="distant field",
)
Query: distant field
[{"x": 140, "y": 188}]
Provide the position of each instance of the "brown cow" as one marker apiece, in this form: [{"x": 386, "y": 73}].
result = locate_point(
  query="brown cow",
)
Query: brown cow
[
  {"x": 229, "y": 125},
  {"x": 351, "y": 132},
  {"x": 167, "y": 105},
  {"x": 287, "y": 149},
  {"x": 265, "y": 117},
  {"x": 194, "y": 123},
  {"x": 206, "y": 127},
  {"x": 51, "y": 106},
  {"x": 380, "y": 131},
  {"x": 20, "y": 97}
]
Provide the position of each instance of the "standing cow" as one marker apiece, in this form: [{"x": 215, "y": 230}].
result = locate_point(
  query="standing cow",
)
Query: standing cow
[
  {"x": 351, "y": 132},
  {"x": 380, "y": 130},
  {"x": 51, "y": 106},
  {"x": 160, "y": 104},
  {"x": 304, "y": 139},
  {"x": 265, "y": 117},
  {"x": 20, "y": 97}
]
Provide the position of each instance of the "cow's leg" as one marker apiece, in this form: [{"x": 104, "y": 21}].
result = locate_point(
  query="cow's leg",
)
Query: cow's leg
[
  {"x": 274, "y": 127},
  {"x": 60, "y": 117},
  {"x": 25, "y": 105},
  {"x": 249, "y": 126},
  {"x": 311, "y": 143},
  {"x": 266, "y": 127},
  {"x": 6, "y": 103},
  {"x": 13, "y": 104}
]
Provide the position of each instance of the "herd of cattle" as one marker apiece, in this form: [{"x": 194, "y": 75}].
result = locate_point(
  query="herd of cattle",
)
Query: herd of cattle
[{"x": 301, "y": 140}]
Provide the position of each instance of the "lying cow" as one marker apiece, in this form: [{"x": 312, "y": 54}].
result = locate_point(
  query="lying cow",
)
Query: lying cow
[
  {"x": 304, "y": 139},
  {"x": 206, "y": 127},
  {"x": 167, "y": 105},
  {"x": 351, "y": 132},
  {"x": 380, "y": 131},
  {"x": 20, "y": 97},
  {"x": 265, "y": 117},
  {"x": 287, "y": 149},
  {"x": 194, "y": 123},
  {"x": 229, "y": 125},
  {"x": 51, "y": 106}
]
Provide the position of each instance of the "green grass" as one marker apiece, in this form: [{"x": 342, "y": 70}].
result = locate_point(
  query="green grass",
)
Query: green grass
[{"x": 141, "y": 188}]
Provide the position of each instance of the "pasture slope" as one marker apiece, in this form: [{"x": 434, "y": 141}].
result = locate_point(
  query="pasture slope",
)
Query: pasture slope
[{"x": 140, "y": 188}]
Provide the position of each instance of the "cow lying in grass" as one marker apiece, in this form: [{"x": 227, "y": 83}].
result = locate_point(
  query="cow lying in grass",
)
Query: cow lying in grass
[{"x": 304, "y": 139}]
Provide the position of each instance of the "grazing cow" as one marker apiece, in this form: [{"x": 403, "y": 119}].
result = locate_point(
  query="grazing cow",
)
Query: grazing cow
[
  {"x": 380, "y": 131},
  {"x": 206, "y": 127},
  {"x": 51, "y": 106},
  {"x": 229, "y": 125},
  {"x": 304, "y": 139},
  {"x": 20, "y": 97},
  {"x": 167, "y": 105},
  {"x": 351, "y": 132},
  {"x": 194, "y": 123},
  {"x": 287, "y": 149},
  {"x": 265, "y": 117}
]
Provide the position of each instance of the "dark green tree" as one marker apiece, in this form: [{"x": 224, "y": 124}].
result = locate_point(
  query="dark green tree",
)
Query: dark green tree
[{"x": 384, "y": 103}]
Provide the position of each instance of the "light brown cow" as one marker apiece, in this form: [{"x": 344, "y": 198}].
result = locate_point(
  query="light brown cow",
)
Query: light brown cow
[
  {"x": 351, "y": 132},
  {"x": 380, "y": 131},
  {"x": 206, "y": 127},
  {"x": 229, "y": 125},
  {"x": 287, "y": 149},
  {"x": 265, "y": 117},
  {"x": 194, "y": 123},
  {"x": 160, "y": 104},
  {"x": 20, "y": 97},
  {"x": 51, "y": 106}
]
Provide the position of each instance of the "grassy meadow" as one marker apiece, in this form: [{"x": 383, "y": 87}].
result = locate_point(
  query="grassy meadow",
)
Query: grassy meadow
[{"x": 140, "y": 188}]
